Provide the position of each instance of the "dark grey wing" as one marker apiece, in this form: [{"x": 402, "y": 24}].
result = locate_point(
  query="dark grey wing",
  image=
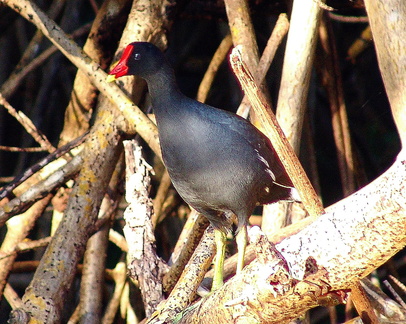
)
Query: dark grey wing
[{"x": 257, "y": 141}]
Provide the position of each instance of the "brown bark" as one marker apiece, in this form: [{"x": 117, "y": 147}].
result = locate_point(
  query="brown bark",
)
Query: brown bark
[
  {"x": 314, "y": 267},
  {"x": 324, "y": 260},
  {"x": 299, "y": 56},
  {"x": 84, "y": 93}
]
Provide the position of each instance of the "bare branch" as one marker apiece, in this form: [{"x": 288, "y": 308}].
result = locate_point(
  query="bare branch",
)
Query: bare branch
[
  {"x": 324, "y": 260},
  {"x": 17, "y": 230},
  {"x": 218, "y": 58},
  {"x": 298, "y": 60},
  {"x": 276, "y": 135},
  {"x": 136, "y": 121},
  {"x": 6, "y": 190},
  {"x": 41, "y": 189},
  {"x": 28, "y": 125},
  {"x": 143, "y": 263},
  {"x": 388, "y": 24}
]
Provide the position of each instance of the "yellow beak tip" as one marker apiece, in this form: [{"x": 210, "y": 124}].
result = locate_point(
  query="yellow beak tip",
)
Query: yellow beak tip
[{"x": 111, "y": 78}]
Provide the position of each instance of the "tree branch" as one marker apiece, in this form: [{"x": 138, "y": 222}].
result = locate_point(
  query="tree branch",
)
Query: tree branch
[
  {"x": 388, "y": 24},
  {"x": 136, "y": 121},
  {"x": 324, "y": 260}
]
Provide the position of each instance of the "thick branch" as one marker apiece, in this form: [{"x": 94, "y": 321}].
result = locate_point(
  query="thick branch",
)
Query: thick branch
[
  {"x": 388, "y": 24},
  {"x": 144, "y": 265},
  {"x": 354, "y": 237},
  {"x": 50, "y": 284}
]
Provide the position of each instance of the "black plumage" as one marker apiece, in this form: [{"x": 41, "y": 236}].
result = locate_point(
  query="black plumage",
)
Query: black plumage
[{"x": 219, "y": 163}]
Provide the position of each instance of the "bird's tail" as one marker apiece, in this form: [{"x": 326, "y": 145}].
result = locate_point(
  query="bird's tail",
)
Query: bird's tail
[{"x": 291, "y": 193}]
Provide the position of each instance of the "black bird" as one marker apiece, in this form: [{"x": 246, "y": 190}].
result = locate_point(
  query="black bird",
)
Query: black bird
[{"x": 219, "y": 163}]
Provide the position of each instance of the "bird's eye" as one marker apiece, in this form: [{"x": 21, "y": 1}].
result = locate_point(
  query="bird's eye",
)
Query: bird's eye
[{"x": 137, "y": 56}]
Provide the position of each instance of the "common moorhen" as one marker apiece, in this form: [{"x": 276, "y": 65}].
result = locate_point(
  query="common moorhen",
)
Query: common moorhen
[{"x": 219, "y": 163}]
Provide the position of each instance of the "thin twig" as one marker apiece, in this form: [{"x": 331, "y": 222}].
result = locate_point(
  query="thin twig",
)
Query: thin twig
[
  {"x": 274, "y": 41},
  {"x": 118, "y": 239},
  {"x": 332, "y": 81},
  {"x": 278, "y": 34},
  {"x": 187, "y": 242},
  {"x": 17, "y": 230},
  {"x": 28, "y": 125},
  {"x": 215, "y": 63},
  {"x": 27, "y": 61},
  {"x": 6, "y": 191},
  {"x": 22, "y": 149},
  {"x": 12, "y": 297},
  {"x": 41, "y": 189},
  {"x": 160, "y": 198},
  {"x": 12, "y": 83},
  {"x": 136, "y": 119},
  {"x": 394, "y": 293},
  {"x": 119, "y": 275},
  {"x": 399, "y": 284},
  {"x": 360, "y": 44},
  {"x": 348, "y": 19},
  {"x": 26, "y": 246},
  {"x": 184, "y": 292}
]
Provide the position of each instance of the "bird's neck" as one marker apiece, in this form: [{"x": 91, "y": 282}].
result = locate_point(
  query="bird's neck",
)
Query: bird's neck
[{"x": 163, "y": 89}]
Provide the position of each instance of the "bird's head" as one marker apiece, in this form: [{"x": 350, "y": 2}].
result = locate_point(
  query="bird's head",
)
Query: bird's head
[{"x": 138, "y": 58}]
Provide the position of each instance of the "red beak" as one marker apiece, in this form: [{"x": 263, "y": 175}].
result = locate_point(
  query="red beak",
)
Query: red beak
[{"x": 121, "y": 68}]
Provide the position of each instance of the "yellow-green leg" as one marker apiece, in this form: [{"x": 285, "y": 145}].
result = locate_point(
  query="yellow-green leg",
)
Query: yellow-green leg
[
  {"x": 241, "y": 240},
  {"x": 220, "y": 240}
]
